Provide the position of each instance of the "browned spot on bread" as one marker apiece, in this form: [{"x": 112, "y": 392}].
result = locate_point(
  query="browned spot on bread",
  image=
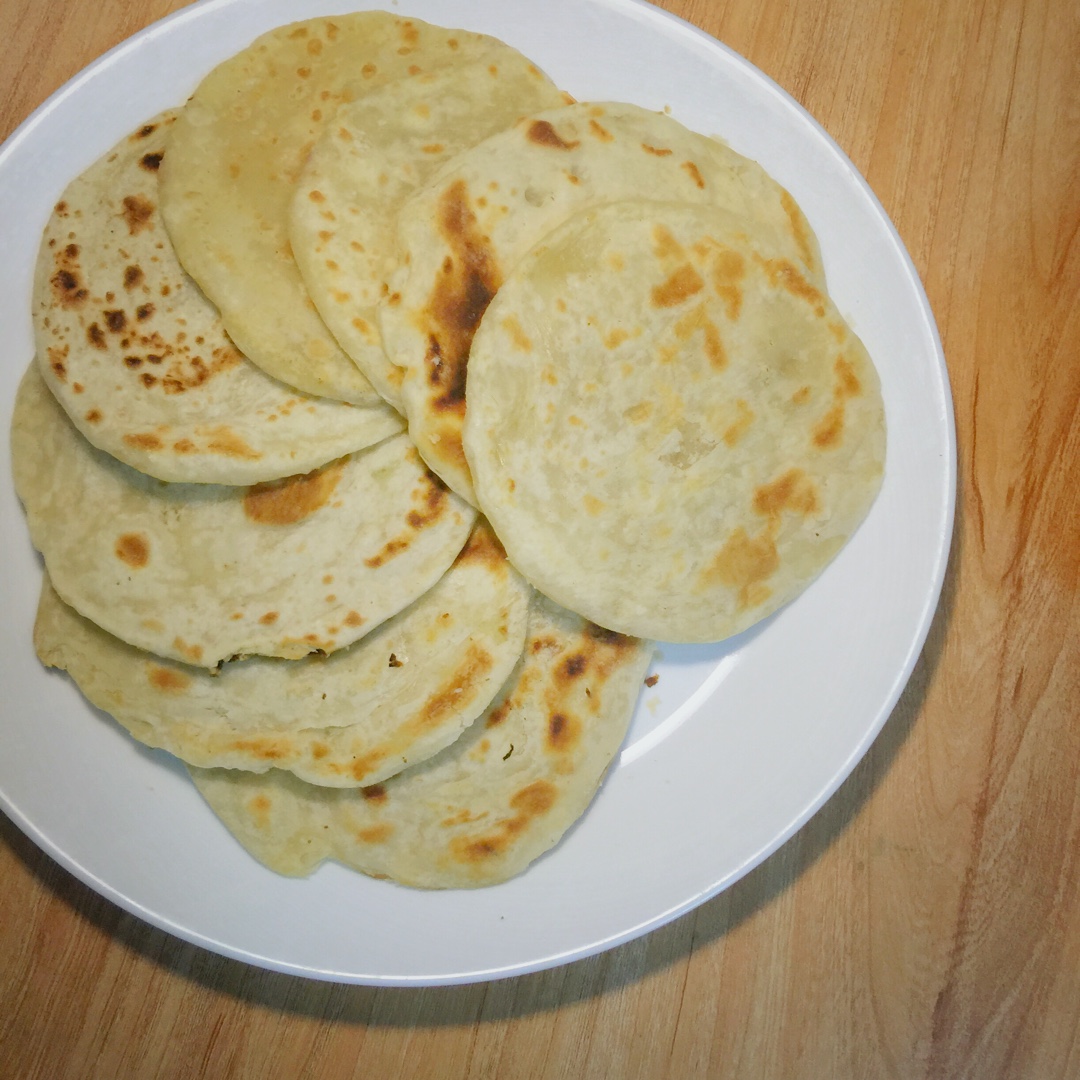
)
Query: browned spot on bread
[
  {"x": 431, "y": 497},
  {"x": 445, "y": 701},
  {"x": 144, "y": 311},
  {"x": 288, "y": 501},
  {"x": 354, "y": 619},
  {"x": 517, "y": 333},
  {"x": 269, "y": 618},
  {"x": 464, "y": 816},
  {"x": 96, "y": 336},
  {"x": 740, "y": 425},
  {"x": 184, "y": 446},
  {"x": 387, "y": 552},
  {"x": 744, "y": 563},
  {"x": 319, "y": 750},
  {"x": 168, "y": 680},
  {"x": 151, "y": 162},
  {"x": 600, "y": 132},
  {"x": 443, "y": 704},
  {"x": 847, "y": 382},
  {"x": 144, "y": 440},
  {"x": 532, "y": 801},
  {"x": 224, "y": 441},
  {"x": 562, "y": 733},
  {"x": 479, "y": 850},
  {"x": 681, "y": 284},
  {"x": 801, "y": 396},
  {"x": 133, "y": 276},
  {"x": 652, "y": 680},
  {"x": 499, "y": 713},
  {"x": 543, "y": 133},
  {"x": 783, "y": 273},
  {"x": 376, "y": 834},
  {"x": 138, "y": 211},
  {"x": 694, "y": 173},
  {"x": 67, "y": 284},
  {"x": 78, "y": 387},
  {"x": 374, "y": 793},
  {"x": 728, "y": 269},
  {"x": 656, "y": 151},
  {"x": 462, "y": 290},
  {"x": 535, "y": 799},
  {"x": 573, "y": 666},
  {"x": 265, "y": 749},
  {"x": 116, "y": 321},
  {"x": 57, "y": 356},
  {"x": 665, "y": 246},
  {"x": 799, "y": 229},
  {"x": 361, "y": 767},
  {"x": 259, "y": 808},
  {"x": 183, "y": 371},
  {"x": 133, "y": 549},
  {"x": 93, "y": 416},
  {"x": 483, "y": 547},
  {"x": 828, "y": 432},
  {"x": 698, "y": 319},
  {"x": 144, "y": 132},
  {"x": 793, "y": 491},
  {"x": 610, "y": 638}
]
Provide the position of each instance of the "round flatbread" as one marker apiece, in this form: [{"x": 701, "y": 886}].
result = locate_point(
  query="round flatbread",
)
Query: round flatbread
[
  {"x": 377, "y": 151},
  {"x": 138, "y": 357},
  {"x": 486, "y": 806},
  {"x": 354, "y": 717},
  {"x": 463, "y": 232},
  {"x": 236, "y": 152},
  {"x": 201, "y": 572},
  {"x": 671, "y": 429}
]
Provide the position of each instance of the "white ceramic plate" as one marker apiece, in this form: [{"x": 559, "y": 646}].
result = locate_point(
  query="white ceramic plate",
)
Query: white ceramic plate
[{"x": 732, "y": 751}]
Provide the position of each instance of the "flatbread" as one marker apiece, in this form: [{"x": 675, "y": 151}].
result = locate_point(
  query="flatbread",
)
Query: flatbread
[
  {"x": 235, "y": 154},
  {"x": 490, "y": 803},
  {"x": 138, "y": 357},
  {"x": 463, "y": 232},
  {"x": 377, "y": 151},
  {"x": 201, "y": 572},
  {"x": 355, "y": 717},
  {"x": 671, "y": 429}
]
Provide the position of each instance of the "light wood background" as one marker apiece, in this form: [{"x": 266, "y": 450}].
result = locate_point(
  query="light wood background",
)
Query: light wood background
[{"x": 927, "y": 922}]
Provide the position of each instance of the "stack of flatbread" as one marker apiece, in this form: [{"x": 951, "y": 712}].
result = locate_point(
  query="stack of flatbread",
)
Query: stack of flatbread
[{"x": 387, "y": 404}]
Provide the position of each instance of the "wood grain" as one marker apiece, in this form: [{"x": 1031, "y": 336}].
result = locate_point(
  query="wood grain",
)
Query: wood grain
[{"x": 926, "y": 923}]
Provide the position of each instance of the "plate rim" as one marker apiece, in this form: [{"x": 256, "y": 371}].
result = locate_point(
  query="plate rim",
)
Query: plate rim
[{"x": 945, "y": 484}]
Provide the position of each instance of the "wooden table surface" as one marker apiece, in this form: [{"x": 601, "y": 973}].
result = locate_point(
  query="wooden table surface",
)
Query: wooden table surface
[{"x": 926, "y": 923}]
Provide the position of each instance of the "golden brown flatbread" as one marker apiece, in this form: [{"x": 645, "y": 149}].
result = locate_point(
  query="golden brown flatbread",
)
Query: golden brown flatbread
[
  {"x": 486, "y": 806},
  {"x": 138, "y": 357},
  {"x": 670, "y": 427}
]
